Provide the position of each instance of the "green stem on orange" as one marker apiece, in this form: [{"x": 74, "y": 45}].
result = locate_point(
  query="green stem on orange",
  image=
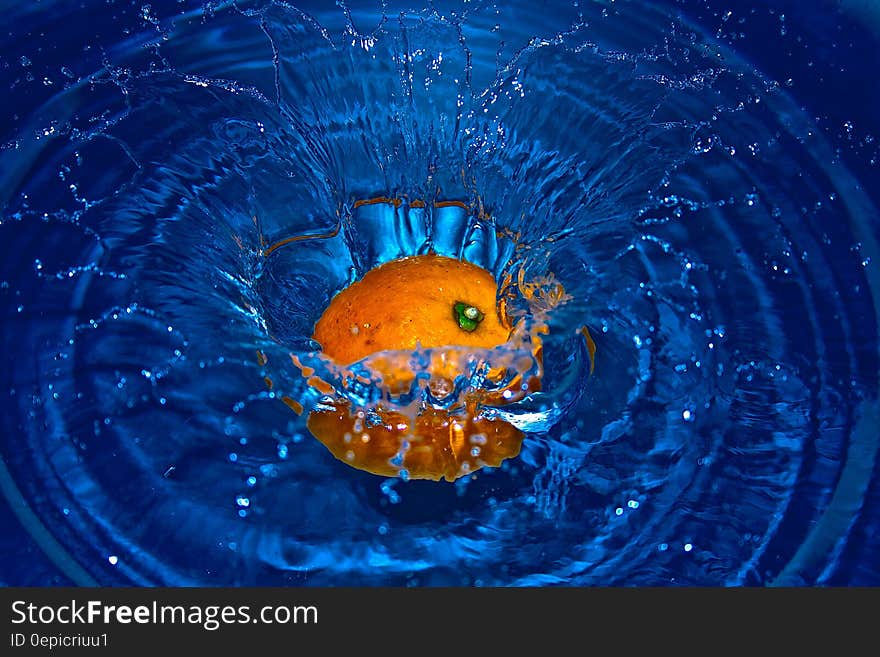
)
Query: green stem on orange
[{"x": 467, "y": 316}]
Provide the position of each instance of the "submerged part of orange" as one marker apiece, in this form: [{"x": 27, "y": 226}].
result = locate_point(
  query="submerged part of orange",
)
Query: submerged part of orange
[
  {"x": 435, "y": 445},
  {"x": 425, "y": 301}
]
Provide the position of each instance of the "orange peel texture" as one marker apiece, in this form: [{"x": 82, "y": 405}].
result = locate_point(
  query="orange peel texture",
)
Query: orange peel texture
[
  {"x": 407, "y": 303},
  {"x": 424, "y": 301}
]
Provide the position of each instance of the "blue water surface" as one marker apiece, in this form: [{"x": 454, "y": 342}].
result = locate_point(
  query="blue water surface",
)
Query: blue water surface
[{"x": 702, "y": 178}]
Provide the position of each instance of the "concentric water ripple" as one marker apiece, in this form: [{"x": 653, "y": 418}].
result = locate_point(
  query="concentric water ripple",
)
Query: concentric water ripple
[{"x": 710, "y": 234}]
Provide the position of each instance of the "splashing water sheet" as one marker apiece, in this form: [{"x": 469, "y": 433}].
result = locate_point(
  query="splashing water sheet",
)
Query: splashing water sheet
[{"x": 688, "y": 187}]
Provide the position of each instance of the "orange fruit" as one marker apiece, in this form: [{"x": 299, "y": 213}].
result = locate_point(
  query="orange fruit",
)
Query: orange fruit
[
  {"x": 410, "y": 302},
  {"x": 424, "y": 301}
]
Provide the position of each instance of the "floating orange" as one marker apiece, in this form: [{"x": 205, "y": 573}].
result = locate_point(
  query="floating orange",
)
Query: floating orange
[
  {"x": 411, "y": 302},
  {"x": 425, "y": 301}
]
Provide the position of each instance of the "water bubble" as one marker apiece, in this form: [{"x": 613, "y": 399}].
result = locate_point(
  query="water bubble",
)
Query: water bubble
[{"x": 387, "y": 488}]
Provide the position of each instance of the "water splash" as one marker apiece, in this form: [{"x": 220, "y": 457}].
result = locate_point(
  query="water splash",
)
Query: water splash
[{"x": 706, "y": 229}]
